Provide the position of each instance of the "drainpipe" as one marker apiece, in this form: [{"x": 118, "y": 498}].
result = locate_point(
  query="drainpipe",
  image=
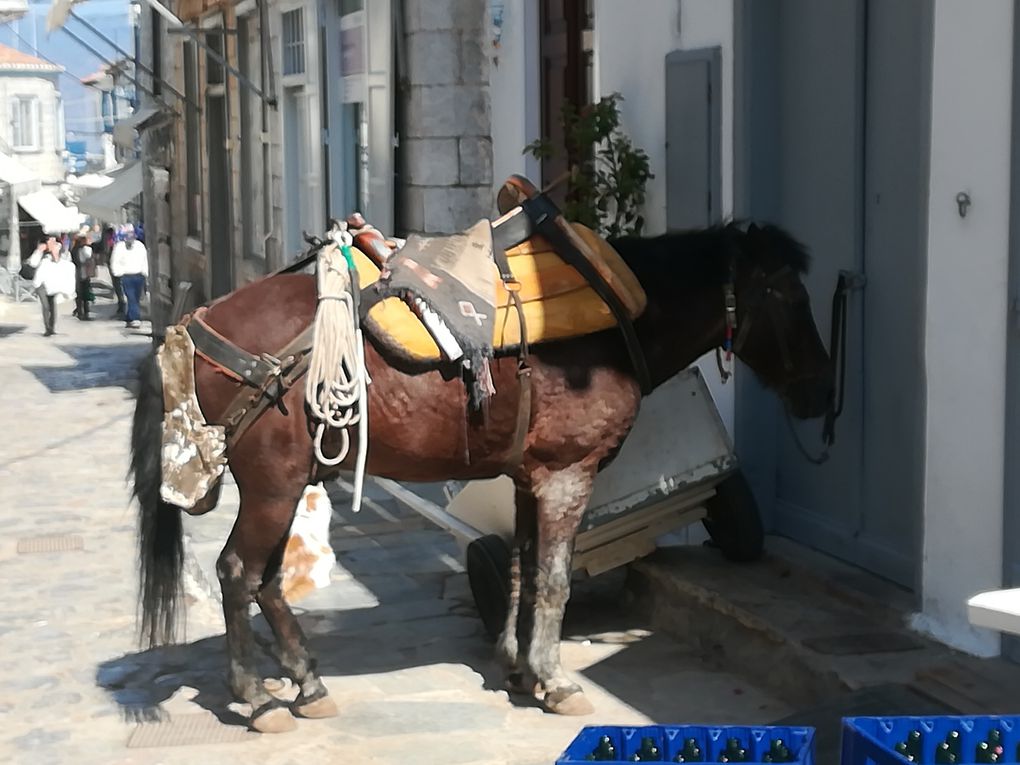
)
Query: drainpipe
[
  {"x": 136, "y": 20},
  {"x": 266, "y": 76}
]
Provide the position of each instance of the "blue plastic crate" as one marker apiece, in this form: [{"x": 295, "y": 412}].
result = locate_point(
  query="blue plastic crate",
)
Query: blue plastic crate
[
  {"x": 670, "y": 740},
  {"x": 872, "y": 740}
]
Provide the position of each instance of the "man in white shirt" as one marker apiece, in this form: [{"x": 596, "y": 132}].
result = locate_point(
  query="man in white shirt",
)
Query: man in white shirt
[
  {"x": 130, "y": 262},
  {"x": 54, "y": 280}
]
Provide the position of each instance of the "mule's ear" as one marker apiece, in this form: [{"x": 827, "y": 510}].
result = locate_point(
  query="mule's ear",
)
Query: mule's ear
[{"x": 752, "y": 229}]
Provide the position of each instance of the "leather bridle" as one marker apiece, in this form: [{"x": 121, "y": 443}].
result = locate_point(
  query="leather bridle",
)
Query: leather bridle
[{"x": 767, "y": 298}]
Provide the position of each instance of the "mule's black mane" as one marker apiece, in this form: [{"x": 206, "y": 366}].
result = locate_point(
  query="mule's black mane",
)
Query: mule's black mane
[{"x": 684, "y": 259}]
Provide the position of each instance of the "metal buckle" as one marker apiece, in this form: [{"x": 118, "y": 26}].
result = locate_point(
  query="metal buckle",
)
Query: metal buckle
[
  {"x": 276, "y": 366},
  {"x": 730, "y": 301}
]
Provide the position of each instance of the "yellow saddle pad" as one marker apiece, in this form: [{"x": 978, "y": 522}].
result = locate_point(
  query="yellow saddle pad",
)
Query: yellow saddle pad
[{"x": 558, "y": 302}]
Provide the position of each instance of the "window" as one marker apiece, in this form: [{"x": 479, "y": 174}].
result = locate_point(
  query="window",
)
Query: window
[
  {"x": 25, "y": 124},
  {"x": 192, "y": 140},
  {"x": 214, "y": 74},
  {"x": 61, "y": 128},
  {"x": 157, "y": 52},
  {"x": 294, "y": 42}
]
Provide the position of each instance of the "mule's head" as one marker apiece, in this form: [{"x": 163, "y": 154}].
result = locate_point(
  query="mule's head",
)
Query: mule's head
[{"x": 775, "y": 331}]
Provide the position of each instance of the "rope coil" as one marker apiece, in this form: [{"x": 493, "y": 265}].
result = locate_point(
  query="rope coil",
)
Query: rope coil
[{"x": 336, "y": 381}]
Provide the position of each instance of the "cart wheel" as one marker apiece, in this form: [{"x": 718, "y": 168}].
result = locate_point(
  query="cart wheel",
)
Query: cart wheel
[
  {"x": 733, "y": 520},
  {"x": 488, "y": 570}
]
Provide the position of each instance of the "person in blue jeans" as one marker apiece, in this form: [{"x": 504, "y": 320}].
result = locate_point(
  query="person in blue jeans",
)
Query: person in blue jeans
[{"x": 130, "y": 262}]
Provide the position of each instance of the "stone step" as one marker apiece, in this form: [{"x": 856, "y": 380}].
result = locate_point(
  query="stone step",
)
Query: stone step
[{"x": 809, "y": 628}]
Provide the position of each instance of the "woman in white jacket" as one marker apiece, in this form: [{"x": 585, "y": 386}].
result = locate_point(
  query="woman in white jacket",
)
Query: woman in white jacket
[{"x": 54, "y": 280}]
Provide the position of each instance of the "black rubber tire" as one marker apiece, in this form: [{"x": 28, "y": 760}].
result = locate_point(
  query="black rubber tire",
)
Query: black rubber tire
[
  {"x": 488, "y": 570},
  {"x": 734, "y": 522}
]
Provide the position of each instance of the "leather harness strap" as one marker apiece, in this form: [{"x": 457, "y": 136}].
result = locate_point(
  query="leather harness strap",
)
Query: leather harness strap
[
  {"x": 247, "y": 406},
  {"x": 515, "y": 228},
  {"x": 264, "y": 379},
  {"x": 546, "y": 218}
]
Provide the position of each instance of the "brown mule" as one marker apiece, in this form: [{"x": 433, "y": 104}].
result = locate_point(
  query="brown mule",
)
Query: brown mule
[{"x": 583, "y": 403}]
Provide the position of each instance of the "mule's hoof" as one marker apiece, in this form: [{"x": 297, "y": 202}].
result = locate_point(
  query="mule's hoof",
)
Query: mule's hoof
[
  {"x": 274, "y": 684},
  {"x": 567, "y": 702},
  {"x": 516, "y": 682},
  {"x": 316, "y": 710},
  {"x": 274, "y": 720}
]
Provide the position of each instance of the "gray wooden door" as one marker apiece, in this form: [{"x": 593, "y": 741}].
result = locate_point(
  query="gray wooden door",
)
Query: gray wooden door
[
  {"x": 221, "y": 255},
  {"x": 693, "y": 138},
  {"x": 1011, "y": 506},
  {"x": 833, "y": 100}
]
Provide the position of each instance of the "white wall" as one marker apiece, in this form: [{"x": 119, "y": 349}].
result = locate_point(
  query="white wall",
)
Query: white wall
[
  {"x": 514, "y": 93},
  {"x": 630, "y": 59},
  {"x": 965, "y": 337}
]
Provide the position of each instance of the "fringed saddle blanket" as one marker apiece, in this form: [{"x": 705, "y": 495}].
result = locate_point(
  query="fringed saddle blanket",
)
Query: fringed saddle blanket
[{"x": 450, "y": 283}]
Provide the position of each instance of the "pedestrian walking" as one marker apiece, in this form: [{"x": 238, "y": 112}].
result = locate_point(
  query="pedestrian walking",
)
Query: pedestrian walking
[
  {"x": 54, "y": 280},
  {"x": 130, "y": 262},
  {"x": 110, "y": 240},
  {"x": 84, "y": 261}
]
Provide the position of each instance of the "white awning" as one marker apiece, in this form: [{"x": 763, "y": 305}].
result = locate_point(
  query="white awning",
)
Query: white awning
[
  {"x": 15, "y": 173},
  {"x": 53, "y": 216},
  {"x": 90, "y": 181},
  {"x": 125, "y": 130},
  {"x": 12, "y": 10},
  {"x": 106, "y": 203}
]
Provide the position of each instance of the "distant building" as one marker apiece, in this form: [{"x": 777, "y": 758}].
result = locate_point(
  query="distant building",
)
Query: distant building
[
  {"x": 111, "y": 94},
  {"x": 32, "y": 114}
]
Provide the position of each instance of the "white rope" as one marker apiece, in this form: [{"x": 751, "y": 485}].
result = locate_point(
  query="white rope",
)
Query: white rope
[{"x": 335, "y": 384}]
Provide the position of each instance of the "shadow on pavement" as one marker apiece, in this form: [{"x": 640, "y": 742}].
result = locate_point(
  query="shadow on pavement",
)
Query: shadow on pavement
[
  {"x": 95, "y": 366},
  {"x": 402, "y": 633}
]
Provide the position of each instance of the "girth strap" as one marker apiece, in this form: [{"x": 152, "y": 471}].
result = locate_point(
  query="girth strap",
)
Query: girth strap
[{"x": 513, "y": 228}]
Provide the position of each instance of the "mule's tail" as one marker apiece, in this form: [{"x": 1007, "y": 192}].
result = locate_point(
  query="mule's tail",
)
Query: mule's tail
[{"x": 160, "y": 537}]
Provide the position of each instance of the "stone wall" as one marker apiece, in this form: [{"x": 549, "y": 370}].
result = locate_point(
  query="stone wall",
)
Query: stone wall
[{"x": 447, "y": 146}]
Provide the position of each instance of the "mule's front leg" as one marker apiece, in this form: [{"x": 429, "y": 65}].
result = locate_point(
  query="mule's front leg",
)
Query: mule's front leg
[
  {"x": 513, "y": 644},
  {"x": 562, "y": 498}
]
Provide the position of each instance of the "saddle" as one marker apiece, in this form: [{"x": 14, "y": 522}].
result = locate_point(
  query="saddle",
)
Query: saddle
[
  {"x": 547, "y": 280},
  {"x": 558, "y": 303}
]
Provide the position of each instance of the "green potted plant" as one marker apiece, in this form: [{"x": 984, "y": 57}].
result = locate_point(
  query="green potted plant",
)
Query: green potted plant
[{"x": 607, "y": 173}]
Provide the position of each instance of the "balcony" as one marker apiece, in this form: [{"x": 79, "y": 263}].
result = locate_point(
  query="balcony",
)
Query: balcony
[{"x": 12, "y": 10}]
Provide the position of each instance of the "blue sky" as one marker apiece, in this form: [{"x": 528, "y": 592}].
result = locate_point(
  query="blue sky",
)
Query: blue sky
[{"x": 112, "y": 17}]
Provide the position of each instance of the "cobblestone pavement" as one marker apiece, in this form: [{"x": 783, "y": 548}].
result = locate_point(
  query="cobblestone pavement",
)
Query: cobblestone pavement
[{"x": 399, "y": 643}]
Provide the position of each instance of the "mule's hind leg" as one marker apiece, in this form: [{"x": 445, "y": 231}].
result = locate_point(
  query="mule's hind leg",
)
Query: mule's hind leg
[
  {"x": 512, "y": 648},
  {"x": 292, "y": 651},
  {"x": 259, "y": 532},
  {"x": 562, "y": 498}
]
